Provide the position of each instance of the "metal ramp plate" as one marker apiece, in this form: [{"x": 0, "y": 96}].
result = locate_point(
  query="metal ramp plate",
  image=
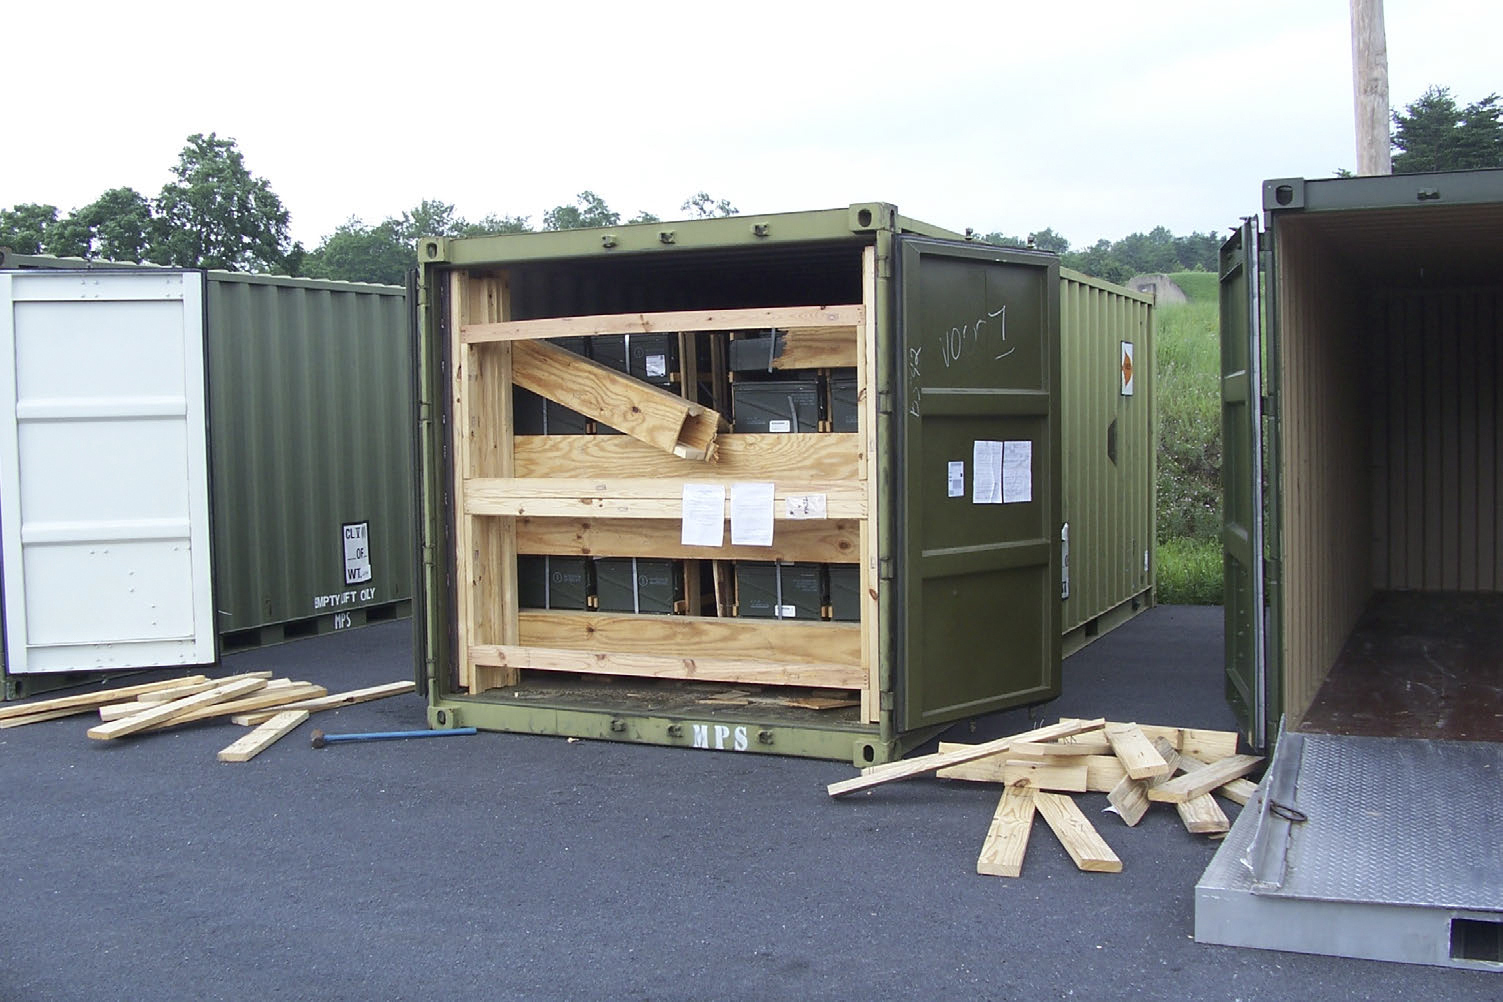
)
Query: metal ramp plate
[{"x": 1377, "y": 848}]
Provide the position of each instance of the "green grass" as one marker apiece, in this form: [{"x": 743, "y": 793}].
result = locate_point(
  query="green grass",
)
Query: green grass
[
  {"x": 1189, "y": 572},
  {"x": 1189, "y": 479},
  {"x": 1198, "y": 286}
]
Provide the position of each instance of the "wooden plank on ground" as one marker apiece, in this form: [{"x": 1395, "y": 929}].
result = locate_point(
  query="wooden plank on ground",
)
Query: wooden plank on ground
[
  {"x": 1130, "y": 798},
  {"x": 1205, "y": 744},
  {"x": 178, "y": 692},
  {"x": 1058, "y": 777},
  {"x": 1193, "y": 784},
  {"x": 37, "y": 718},
  {"x": 1238, "y": 791},
  {"x": 1084, "y": 844},
  {"x": 155, "y": 715},
  {"x": 85, "y": 701},
  {"x": 1007, "y": 839},
  {"x": 279, "y": 698},
  {"x": 1138, "y": 756},
  {"x": 1068, "y": 748},
  {"x": 1203, "y": 816},
  {"x": 1200, "y": 815},
  {"x": 263, "y": 737},
  {"x": 648, "y": 413},
  {"x": 116, "y": 711},
  {"x": 1103, "y": 772},
  {"x": 788, "y": 318},
  {"x": 931, "y": 763},
  {"x": 332, "y": 701}
]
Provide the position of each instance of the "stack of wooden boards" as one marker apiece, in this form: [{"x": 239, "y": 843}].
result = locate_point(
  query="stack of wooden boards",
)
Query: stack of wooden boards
[
  {"x": 273, "y": 707},
  {"x": 1134, "y": 765}
]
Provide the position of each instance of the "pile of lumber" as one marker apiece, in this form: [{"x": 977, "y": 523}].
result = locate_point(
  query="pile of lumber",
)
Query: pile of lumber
[
  {"x": 1134, "y": 765},
  {"x": 273, "y": 707}
]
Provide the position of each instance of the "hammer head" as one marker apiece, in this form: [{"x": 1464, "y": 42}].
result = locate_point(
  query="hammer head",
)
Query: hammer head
[{"x": 318, "y": 739}]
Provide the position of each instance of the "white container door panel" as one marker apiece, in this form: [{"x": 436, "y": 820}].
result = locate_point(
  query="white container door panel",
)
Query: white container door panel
[{"x": 104, "y": 471}]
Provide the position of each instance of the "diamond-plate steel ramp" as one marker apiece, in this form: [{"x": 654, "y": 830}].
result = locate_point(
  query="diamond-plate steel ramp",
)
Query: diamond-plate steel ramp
[{"x": 1378, "y": 848}]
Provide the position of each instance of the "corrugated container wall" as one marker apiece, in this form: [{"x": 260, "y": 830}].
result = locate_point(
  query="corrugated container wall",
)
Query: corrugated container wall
[
  {"x": 309, "y": 395},
  {"x": 1110, "y": 455}
]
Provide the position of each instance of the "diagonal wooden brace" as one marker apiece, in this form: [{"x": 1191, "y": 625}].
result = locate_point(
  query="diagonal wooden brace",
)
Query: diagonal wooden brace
[{"x": 645, "y": 412}]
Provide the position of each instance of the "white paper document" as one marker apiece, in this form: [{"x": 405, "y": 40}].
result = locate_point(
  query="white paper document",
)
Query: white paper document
[
  {"x": 957, "y": 479},
  {"x": 986, "y": 467},
  {"x": 1017, "y": 472},
  {"x": 751, "y": 514},
  {"x": 807, "y": 505},
  {"x": 704, "y": 515}
]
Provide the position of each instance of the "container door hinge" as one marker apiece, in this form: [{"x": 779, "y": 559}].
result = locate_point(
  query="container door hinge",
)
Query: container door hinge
[
  {"x": 886, "y": 702},
  {"x": 884, "y": 402},
  {"x": 884, "y": 568}
]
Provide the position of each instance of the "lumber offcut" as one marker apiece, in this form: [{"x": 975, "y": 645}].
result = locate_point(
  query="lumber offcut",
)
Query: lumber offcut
[
  {"x": 929, "y": 763},
  {"x": 1084, "y": 844},
  {"x": 331, "y": 701},
  {"x": 1137, "y": 754},
  {"x": 86, "y": 701},
  {"x": 263, "y": 737},
  {"x": 1007, "y": 840},
  {"x": 164, "y": 712},
  {"x": 1193, "y": 784}
]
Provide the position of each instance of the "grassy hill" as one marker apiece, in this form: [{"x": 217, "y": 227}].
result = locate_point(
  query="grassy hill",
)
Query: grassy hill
[{"x": 1189, "y": 477}]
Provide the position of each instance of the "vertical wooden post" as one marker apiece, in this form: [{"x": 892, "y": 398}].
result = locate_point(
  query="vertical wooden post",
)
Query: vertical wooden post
[
  {"x": 1370, "y": 87},
  {"x": 866, "y": 424}
]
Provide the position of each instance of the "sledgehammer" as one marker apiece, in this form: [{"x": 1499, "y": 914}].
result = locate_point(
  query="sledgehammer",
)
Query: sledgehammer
[{"x": 320, "y": 738}]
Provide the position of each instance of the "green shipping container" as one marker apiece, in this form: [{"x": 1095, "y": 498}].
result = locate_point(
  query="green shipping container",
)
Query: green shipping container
[
  {"x": 1110, "y": 456},
  {"x": 946, "y": 498},
  {"x": 306, "y": 390}
]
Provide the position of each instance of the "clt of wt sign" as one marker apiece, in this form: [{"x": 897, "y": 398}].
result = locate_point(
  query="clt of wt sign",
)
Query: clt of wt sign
[{"x": 357, "y": 552}]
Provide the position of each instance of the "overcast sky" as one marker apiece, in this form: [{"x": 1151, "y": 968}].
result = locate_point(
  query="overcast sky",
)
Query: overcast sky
[{"x": 1098, "y": 119}]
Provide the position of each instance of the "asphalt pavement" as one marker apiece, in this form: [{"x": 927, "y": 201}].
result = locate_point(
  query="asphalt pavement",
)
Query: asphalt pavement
[{"x": 523, "y": 867}]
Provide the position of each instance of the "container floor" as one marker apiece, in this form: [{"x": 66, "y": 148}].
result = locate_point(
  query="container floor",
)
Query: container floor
[{"x": 1418, "y": 665}]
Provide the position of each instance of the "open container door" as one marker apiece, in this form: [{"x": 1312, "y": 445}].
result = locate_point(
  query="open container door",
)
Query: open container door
[
  {"x": 104, "y": 474},
  {"x": 977, "y": 485},
  {"x": 1247, "y": 676}
]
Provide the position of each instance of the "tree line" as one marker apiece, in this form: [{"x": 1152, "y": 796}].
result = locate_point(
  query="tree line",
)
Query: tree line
[{"x": 214, "y": 213}]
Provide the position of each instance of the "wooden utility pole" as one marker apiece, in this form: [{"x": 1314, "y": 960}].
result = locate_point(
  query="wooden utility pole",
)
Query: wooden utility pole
[{"x": 1370, "y": 87}]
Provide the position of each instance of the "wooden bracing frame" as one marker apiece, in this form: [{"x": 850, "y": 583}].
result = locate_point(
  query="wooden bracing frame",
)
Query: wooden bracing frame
[{"x": 621, "y": 495}]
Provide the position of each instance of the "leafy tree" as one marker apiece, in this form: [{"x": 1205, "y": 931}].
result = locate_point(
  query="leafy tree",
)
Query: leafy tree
[
  {"x": 1432, "y": 134},
  {"x": 24, "y": 227},
  {"x": 701, "y": 206},
  {"x": 1047, "y": 240},
  {"x": 216, "y": 214},
  {"x": 589, "y": 209},
  {"x": 643, "y": 216},
  {"x": 493, "y": 224},
  {"x": 117, "y": 226},
  {"x": 355, "y": 252}
]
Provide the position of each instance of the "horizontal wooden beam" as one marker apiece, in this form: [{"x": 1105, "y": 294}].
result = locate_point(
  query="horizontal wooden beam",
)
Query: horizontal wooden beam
[
  {"x": 689, "y": 669},
  {"x": 558, "y": 497},
  {"x": 817, "y": 348},
  {"x": 825, "y": 456},
  {"x": 1204, "y": 779},
  {"x": 820, "y": 541},
  {"x": 784, "y": 318},
  {"x": 662, "y": 419},
  {"x": 707, "y": 637}
]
